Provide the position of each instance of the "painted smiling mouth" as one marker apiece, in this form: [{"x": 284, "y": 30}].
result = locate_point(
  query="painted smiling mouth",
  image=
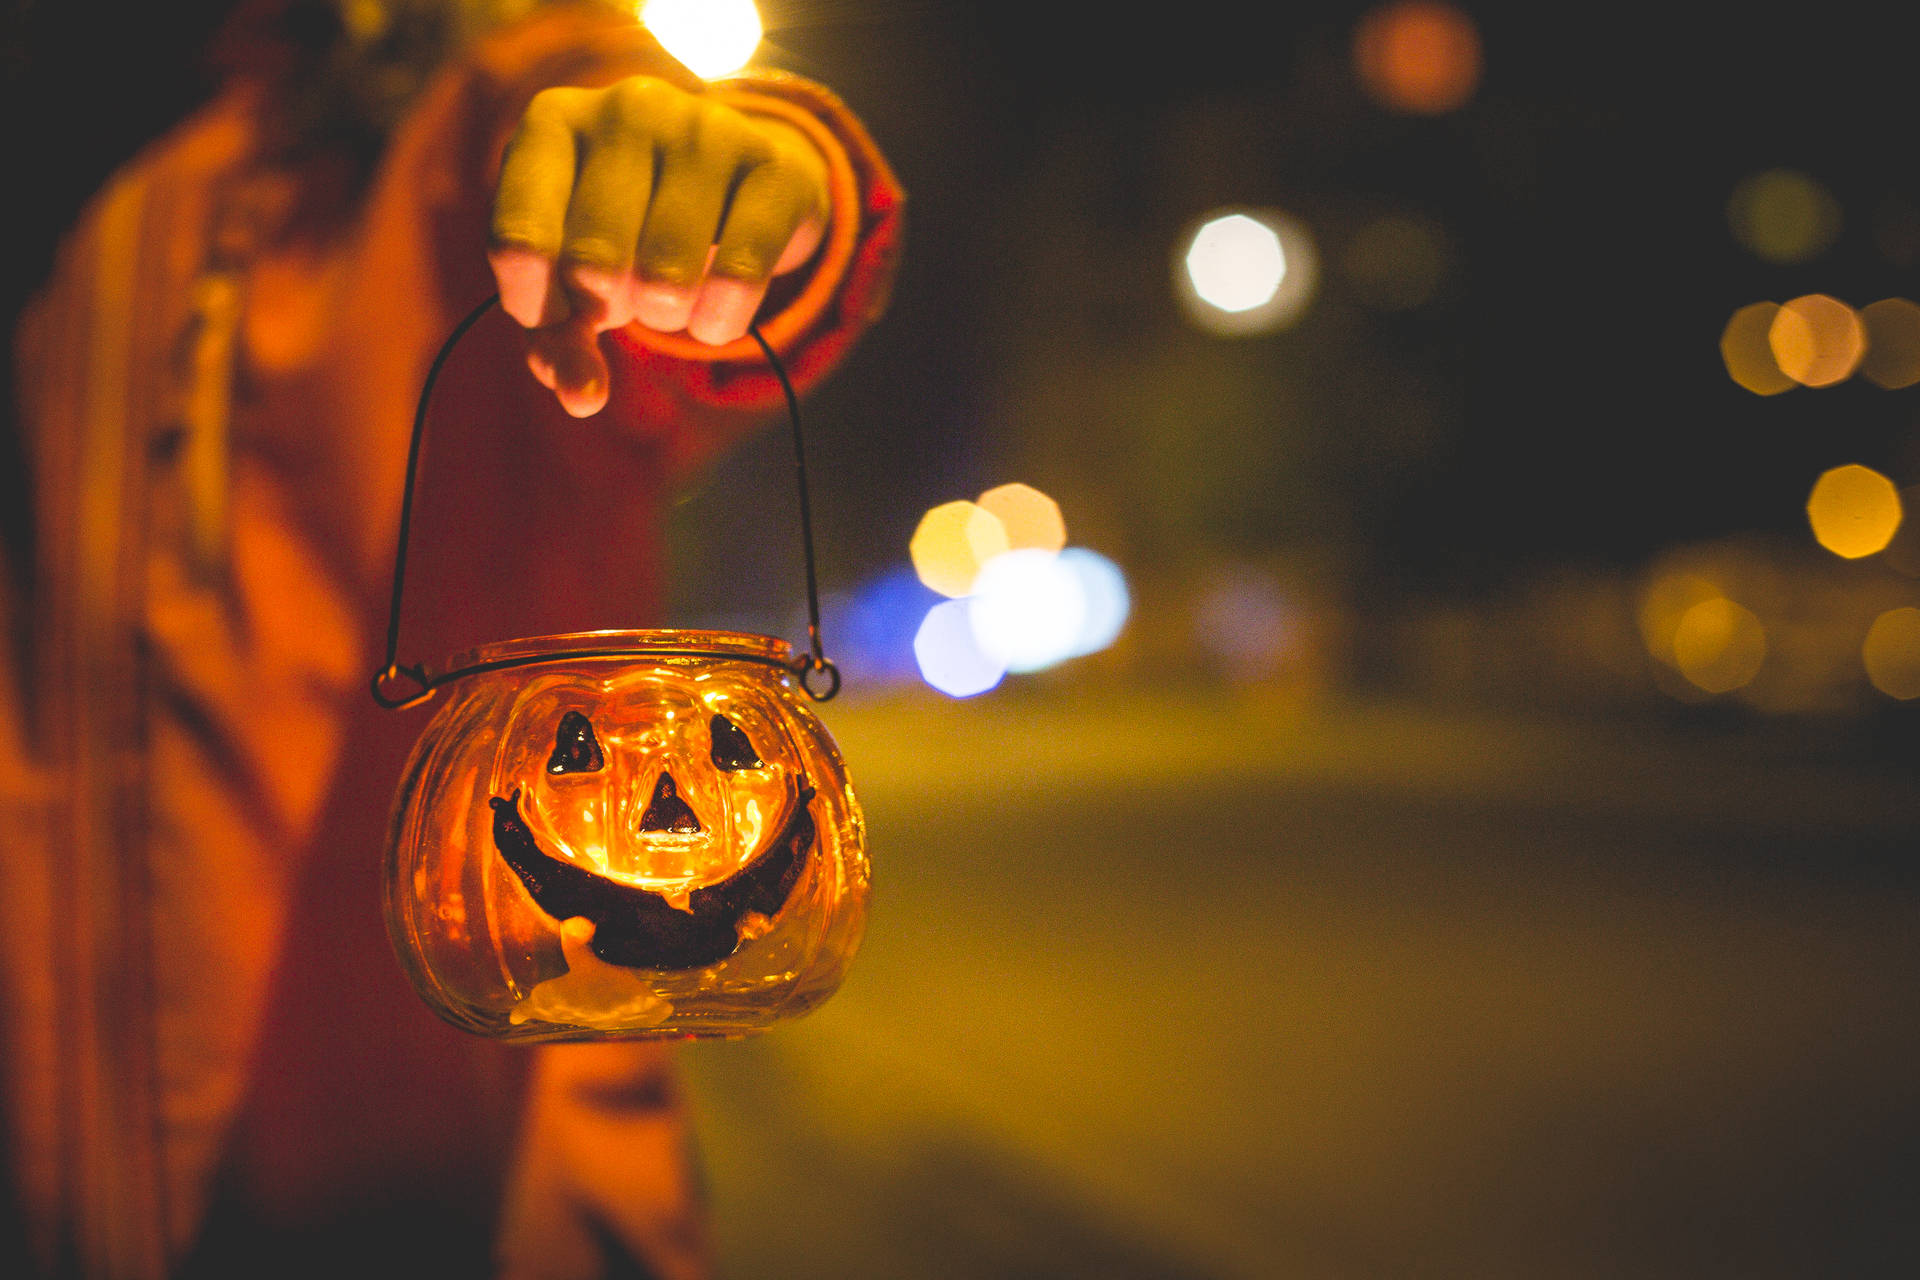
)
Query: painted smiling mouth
[{"x": 638, "y": 929}]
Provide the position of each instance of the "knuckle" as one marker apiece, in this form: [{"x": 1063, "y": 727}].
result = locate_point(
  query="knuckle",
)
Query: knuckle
[
  {"x": 671, "y": 267},
  {"x": 591, "y": 249},
  {"x": 749, "y": 262},
  {"x": 639, "y": 103},
  {"x": 671, "y": 257},
  {"x": 518, "y": 235},
  {"x": 550, "y": 107}
]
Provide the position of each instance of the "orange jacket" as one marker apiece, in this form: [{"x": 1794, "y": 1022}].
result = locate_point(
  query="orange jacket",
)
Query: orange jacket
[{"x": 210, "y": 1050}]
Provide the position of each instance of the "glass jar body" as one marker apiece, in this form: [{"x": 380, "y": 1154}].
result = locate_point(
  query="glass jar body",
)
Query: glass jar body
[{"x": 625, "y": 834}]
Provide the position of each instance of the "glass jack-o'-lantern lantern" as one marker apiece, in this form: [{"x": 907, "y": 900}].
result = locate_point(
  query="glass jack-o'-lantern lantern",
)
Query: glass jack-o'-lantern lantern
[{"x": 622, "y": 833}]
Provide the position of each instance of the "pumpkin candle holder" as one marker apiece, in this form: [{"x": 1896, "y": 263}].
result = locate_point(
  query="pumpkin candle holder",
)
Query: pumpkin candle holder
[{"x": 622, "y": 834}]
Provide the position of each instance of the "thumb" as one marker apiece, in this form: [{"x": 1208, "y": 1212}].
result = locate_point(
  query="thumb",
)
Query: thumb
[{"x": 567, "y": 360}]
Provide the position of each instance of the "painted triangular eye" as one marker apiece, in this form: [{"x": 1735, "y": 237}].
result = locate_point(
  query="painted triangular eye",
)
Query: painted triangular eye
[
  {"x": 575, "y": 749},
  {"x": 731, "y": 750}
]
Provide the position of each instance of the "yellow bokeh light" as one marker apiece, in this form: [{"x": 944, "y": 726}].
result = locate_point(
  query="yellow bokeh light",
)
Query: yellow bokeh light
[
  {"x": 1892, "y": 653},
  {"x": 1418, "y": 56},
  {"x": 1893, "y": 343},
  {"x": 1854, "y": 511},
  {"x": 952, "y": 542},
  {"x": 1665, "y": 603},
  {"x": 1031, "y": 520},
  {"x": 711, "y": 38},
  {"x": 1817, "y": 340},
  {"x": 1747, "y": 353},
  {"x": 1719, "y": 645},
  {"x": 1784, "y": 216}
]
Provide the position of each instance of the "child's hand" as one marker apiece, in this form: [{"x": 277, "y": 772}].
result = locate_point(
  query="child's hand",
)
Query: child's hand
[{"x": 643, "y": 202}]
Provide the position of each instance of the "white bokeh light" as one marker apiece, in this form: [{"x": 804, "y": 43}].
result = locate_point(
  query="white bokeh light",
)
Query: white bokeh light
[
  {"x": 1027, "y": 609},
  {"x": 711, "y": 38},
  {"x": 1244, "y": 272},
  {"x": 1236, "y": 263},
  {"x": 1108, "y": 601},
  {"x": 950, "y": 660}
]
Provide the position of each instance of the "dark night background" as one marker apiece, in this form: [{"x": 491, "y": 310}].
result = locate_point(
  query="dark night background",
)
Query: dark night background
[
  {"x": 1584, "y": 412},
  {"x": 1481, "y": 945}
]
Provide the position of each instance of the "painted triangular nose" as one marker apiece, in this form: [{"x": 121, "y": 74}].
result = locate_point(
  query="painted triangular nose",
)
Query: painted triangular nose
[{"x": 667, "y": 811}]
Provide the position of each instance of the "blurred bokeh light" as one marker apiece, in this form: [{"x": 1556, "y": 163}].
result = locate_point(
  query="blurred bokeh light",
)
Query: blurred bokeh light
[
  {"x": 1892, "y": 328},
  {"x": 1236, "y": 263},
  {"x": 1817, "y": 340},
  {"x": 1892, "y": 653},
  {"x": 1245, "y": 272},
  {"x": 1108, "y": 602},
  {"x": 1784, "y": 216},
  {"x": 872, "y": 630},
  {"x": 1747, "y": 353},
  {"x": 1667, "y": 600},
  {"x": 949, "y": 658},
  {"x": 1245, "y": 623},
  {"x": 1027, "y": 610},
  {"x": 1418, "y": 57},
  {"x": 1396, "y": 262},
  {"x": 1029, "y": 518},
  {"x": 1854, "y": 511},
  {"x": 1719, "y": 645},
  {"x": 952, "y": 543}
]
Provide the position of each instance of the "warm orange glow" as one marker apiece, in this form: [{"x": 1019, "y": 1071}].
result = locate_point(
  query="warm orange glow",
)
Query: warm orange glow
[
  {"x": 1817, "y": 340},
  {"x": 1892, "y": 653},
  {"x": 1784, "y": 216},
  {"x": 1893, "y": 343},
  {"x": 1031, "y": 519},
  {"x": 1747, "y": 353},
  {"x": 951, "y": 544},
  {"x": 1418, "y": 56},
  {"x": 1854, "y": 511},
  {"x": 1666, "y": 602},
  {"x": 1719, "y": 645}
]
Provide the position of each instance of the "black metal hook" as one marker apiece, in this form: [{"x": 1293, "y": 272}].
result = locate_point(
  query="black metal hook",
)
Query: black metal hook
[{"x": 392, "y": 671}]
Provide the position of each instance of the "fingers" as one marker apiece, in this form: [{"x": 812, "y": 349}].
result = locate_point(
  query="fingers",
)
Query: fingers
[
  {"x": 567, "y": 360},
  {"x": 771, "y": 219},
  {"x": 610, "y": 201},
  {"x": 641, "y": 202},
  {"x": 698, "y": 174},
  {"x": 529, "y": 209}
]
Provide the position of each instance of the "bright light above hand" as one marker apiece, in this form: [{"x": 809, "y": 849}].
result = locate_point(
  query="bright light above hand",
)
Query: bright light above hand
[
  {"x": 711, "y": 38},
  {"x": 1236, "y": 263}
]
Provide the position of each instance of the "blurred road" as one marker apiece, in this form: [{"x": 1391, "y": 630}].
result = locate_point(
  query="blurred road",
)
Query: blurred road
[{"x": 1191, "y": 987}]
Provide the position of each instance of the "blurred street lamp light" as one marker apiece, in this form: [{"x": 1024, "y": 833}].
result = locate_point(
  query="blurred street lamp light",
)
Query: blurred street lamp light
[
  {"x": 1241, "y": 271},
  {"x": 711, "y": 38},
  {"x": 1854, "y": 511}
]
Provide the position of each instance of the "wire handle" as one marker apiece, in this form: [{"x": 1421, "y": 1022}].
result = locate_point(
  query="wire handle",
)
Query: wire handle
[{"x": 397, "y": 685}]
